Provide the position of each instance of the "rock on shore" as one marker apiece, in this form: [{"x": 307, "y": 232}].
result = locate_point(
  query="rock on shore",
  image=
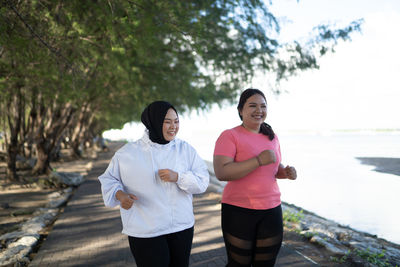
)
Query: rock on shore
[{"x": 342, "y": 241}]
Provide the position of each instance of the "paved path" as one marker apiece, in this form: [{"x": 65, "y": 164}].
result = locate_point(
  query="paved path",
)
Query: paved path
[{"x": 88, "y": 234}]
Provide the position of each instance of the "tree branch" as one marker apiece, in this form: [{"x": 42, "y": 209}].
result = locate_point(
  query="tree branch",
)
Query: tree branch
[{"x": 43, "y": 42}]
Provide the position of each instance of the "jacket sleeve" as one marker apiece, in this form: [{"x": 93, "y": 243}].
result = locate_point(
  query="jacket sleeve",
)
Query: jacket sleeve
[
  {"x": 110, "y": 183},
  {"x": 197, "y": 178}
]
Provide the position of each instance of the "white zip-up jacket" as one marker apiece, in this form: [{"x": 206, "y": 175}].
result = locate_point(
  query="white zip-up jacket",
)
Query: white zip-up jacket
[{"x": 162, "y": 207}]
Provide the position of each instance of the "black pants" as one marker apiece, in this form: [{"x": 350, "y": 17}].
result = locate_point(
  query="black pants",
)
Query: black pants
[
  {"x": 252, "y": 237},
  {"x": 171, "y": 250}
]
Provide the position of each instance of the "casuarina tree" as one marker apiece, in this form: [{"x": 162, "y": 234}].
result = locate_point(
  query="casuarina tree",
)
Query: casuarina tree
[{"x": 69, "y": 68}]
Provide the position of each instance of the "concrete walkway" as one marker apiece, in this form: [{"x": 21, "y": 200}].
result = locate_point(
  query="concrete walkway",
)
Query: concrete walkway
[{"x": 89, "y": 234}]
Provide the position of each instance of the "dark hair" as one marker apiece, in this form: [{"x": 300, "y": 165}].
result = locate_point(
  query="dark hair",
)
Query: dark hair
[{"x": 265, "y": 128}]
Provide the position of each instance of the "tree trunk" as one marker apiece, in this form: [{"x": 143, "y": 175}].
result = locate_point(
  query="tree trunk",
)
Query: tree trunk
[
  {"x": 31, "y": 124},
  {"x": 42, "y": 165},
  {"x": 76, "y": 137},
  {"x": 78, "y": 132},
  {"x": 46, "y": 139},
  {"x": 12, "y": 151},
  {"x": 14, "y": 116},
  {"x": 75, "y": 151}
]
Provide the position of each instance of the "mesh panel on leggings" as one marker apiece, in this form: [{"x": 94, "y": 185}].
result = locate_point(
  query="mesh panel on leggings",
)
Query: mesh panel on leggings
[{"x": 265, "y": 251}]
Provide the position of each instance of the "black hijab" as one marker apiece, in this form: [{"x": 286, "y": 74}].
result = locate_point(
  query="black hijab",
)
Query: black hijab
[{"x": 153, "y": 118}]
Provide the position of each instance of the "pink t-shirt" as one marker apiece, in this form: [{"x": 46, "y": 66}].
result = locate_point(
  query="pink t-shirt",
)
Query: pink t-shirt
[{"x": 259, "y": 189}]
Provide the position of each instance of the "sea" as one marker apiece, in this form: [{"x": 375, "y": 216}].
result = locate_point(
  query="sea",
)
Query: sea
[{"x": 339, "y": 177}]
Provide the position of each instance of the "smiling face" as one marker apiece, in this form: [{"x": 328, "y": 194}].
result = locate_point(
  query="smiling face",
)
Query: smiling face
[
  {"x": 170, "y": 125},
  {"x": 254, "y": 112}
]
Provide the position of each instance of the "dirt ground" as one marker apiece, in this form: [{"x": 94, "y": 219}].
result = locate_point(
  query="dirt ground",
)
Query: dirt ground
[
  {"x": 318, "y": 254},
  {"x": 18, "y": 201}
]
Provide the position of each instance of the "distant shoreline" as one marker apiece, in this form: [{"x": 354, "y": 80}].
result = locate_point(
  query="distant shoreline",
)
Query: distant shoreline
[
  {"x": 384, "y": 165},
  {"x": 340, "y": 131}
]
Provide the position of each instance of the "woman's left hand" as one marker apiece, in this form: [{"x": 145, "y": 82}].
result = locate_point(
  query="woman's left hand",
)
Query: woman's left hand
[
  {"x": 168, "y": 175},
  {"x": 291, "y": 172}
]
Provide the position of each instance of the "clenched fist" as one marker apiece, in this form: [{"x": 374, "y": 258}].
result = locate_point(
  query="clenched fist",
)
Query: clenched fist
[
  {"x": 267, "y": 157},
  {"x": 168, "y": 175},
  {"x": 288, "y": 172},
  {"x": 126, "y": 200},
  {"x": 291, "y": 172}
]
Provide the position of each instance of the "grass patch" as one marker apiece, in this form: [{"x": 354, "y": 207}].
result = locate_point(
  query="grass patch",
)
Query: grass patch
[
  {"x": 342, "y": 259},
  {"x": 377, "y": 259},
  {"x": 293, "y": 217}
]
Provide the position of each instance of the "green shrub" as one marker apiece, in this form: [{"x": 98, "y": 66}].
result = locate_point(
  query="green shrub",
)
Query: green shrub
[
  {"x": 378, "y": 259},
  {"x": 295, "y": 217}
]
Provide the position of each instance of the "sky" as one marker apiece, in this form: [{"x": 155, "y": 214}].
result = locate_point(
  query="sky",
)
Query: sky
[{"x": 355, "y": 88}]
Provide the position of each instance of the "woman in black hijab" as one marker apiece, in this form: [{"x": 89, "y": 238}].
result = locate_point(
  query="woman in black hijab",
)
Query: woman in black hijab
[
  {"x": 152, "y": 180},
  {"x": 153, "y": 118}
]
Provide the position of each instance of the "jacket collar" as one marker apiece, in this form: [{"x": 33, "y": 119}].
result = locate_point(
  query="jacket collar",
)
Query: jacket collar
[{"x": 147, "y": 141}]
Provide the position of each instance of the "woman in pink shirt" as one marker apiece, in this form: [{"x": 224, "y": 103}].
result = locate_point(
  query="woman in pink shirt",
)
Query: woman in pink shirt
[{"x": 248, "y": 157}]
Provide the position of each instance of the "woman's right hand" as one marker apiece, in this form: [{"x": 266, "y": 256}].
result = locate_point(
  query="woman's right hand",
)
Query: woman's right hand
[
  {"x": 126, "y": 200},
  {"x": 267, "y": 157}
]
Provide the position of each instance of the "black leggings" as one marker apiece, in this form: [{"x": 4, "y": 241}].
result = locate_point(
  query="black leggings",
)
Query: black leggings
[
  {"x": 162, "y": 251},
  {"x": 252, "y": 237}
]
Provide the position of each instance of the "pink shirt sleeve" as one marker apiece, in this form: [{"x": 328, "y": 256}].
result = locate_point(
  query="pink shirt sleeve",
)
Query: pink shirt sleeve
[{"x": 225, "y": 145}]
